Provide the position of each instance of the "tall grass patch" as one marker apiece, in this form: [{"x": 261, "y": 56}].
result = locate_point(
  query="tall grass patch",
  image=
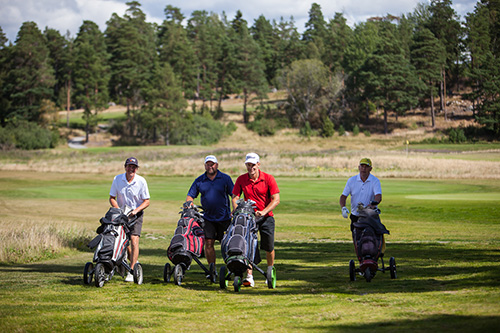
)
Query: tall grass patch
[{"x": 30, "y": 241}]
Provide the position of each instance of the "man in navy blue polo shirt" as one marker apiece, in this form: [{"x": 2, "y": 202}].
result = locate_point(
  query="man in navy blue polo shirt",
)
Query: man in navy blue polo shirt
[{"x": 215, "y": 188}]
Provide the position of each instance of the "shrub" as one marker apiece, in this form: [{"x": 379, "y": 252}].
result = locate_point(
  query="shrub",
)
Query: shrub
[
  {"x": 457, "y": 135},
  {"x": 263, "y": 127},
  {"x": 355, "y": 130},
  {"x": 196, "y": 130},
  {"x": 328, "y": 129},
  {"x": 367, "y": 133},
  {"x": 306, "y": 130},
  {"x": 27, "y": 135},
  {"x": 341, "y": 130}
]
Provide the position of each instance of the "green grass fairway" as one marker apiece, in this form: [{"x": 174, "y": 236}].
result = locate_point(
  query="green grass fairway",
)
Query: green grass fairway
[{"x": 445, "y": 236}]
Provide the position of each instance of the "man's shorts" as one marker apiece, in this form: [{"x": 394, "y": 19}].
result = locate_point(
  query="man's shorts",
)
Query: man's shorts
[
  {"x": 215, "y": 230},
  {"x": 137, "y": 228},
  {"x": 266, "y": 230}
]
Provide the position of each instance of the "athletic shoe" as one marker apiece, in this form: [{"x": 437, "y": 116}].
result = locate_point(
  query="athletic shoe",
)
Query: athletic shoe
[
  {"x": 129, "y": 278},
  {"x": 248, "y": 282}
]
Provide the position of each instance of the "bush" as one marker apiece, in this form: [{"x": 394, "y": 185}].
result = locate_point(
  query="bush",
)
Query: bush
[
  {"x": 355, "y": 130},
  {"x": 197, "y": 130},
  {"x": 306, "y": 130},
  {"x": 341, "y": 130},
  {"x": 27, "y": 135},
  {"x": 328, "y": 129},
  {"x": 367, "y": 133},
  {"x": 263, "y": 127},
  {"x": 457, "y": 135}
]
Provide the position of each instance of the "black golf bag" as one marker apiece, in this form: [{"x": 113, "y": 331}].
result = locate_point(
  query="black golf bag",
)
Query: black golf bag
[
  {"x": 239, "y": 245},
  {"x": 187, "y": 245},
  {"x": 368, "y": 233},
  {"x": 368, "y": 238},
  {"x": 110, "y": 249},
  {"x": 189, "y": 237},
  {"x": 113, "y": 238}
]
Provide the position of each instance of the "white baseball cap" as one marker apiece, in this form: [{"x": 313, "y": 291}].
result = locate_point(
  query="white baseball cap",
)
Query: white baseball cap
[
  {"x": 211, "y": 158},
  {"x": 252, "y": 158}
]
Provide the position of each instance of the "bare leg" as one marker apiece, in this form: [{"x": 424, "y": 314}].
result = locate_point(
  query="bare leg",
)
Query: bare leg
[
  {"x": 270, "y": 261},
  {"x": 270, "y": 258},
  {"x": 210, "y": 250},
  {"x": 133, "y": 250}
]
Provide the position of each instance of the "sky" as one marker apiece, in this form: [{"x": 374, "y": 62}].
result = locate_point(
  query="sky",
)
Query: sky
[{"x": 68, "y": 15}]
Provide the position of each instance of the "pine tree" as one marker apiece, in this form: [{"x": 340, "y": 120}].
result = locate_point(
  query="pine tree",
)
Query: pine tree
[
  {"x": 248, "y": 67},
  {"x": 4, "y": 97},
  {"x": 206, "y": 33},
  {"x": 263, "y": 34},
  {"x": 483, "y": 45},
  {"x": 131, "y": 44},
  {"x": 164, "y": 99},
  {"x": 428, "y": 56},
  {"x": 315, "y": 33},
  {"x": 290, "y": 47},
  {"x": 175, "y": 48},
  {"x": 444, "y": 24},
  {"x": 31, "y": 78},
  {"x": 91, "y": 73},
  {"x": 387, "y": 76}
]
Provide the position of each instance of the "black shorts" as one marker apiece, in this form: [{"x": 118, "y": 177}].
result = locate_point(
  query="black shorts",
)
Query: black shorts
[
  {"x": 354, "y": 219},
  {"x": 137, "y": 228},
  {"x": 266, "y": 230},
  {"x": 215, "y": 230}
]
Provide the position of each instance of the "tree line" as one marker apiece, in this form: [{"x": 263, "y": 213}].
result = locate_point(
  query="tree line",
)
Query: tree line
[{"x": 334, "y": 75}]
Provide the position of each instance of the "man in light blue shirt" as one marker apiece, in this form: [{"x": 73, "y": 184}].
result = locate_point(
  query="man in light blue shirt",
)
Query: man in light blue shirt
[
  {"x": 129, "y": 190},
  {"x": 363, "y": 188}
]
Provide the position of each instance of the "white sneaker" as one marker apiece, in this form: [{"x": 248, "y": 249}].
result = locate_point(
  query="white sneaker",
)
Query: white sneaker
[
  {"x": 129, "y": 277},
  {"x": 248, "y": 282}
]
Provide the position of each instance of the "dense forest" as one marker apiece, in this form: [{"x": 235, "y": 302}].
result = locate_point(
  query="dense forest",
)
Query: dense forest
[{"x": 333, "y": 75}]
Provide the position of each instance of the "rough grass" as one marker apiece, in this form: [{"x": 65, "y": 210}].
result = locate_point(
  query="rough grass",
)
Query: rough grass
[{"x": 30, "y": 241}]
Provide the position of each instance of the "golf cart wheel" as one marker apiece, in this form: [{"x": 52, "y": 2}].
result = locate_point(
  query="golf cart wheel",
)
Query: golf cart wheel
[
  {"x": 271, "y": 277},
  {"x": 87, "y": 273},
  {"x": 99, "y": 275},
  {"x": 223, "y": 277},
  {"x": 166, "y": 273},
  {"x": 368, "y": 275},
  {"x": 392, "y": 267},
  {"x": 237, "y": 283},
  {"x": 138, "y": 273},
  {"x": 213, "y": 273},
  {"x": 352, "y": 270},
  {"x": 178, "y": 274}
]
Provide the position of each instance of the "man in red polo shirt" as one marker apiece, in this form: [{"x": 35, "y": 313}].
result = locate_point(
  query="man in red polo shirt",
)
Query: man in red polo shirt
[{"x": 263, "y": 189}]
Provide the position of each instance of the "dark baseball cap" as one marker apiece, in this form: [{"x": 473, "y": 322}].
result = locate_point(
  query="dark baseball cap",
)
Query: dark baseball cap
[{"x": 132, "y": 160}]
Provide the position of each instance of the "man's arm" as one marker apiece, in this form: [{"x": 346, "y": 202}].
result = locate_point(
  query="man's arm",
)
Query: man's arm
[
  {"x": 377, "y": 198},
  {"x": 342, "y": 200},
  {"x": 113, "y": 202},
  {"x": 234, "y": 198},
  {"x": 275, "y": 200},
  {"x": 144, "y": 205}
]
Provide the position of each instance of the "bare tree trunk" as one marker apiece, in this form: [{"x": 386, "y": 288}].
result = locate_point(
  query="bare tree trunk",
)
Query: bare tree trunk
[
  {"x": 385, "y": 121},
  {"x": 443, "y": 99},
  {"x": 68, "y": 102},
  {"x": 245, "y": 98},
  {"x": 432, "y": 110}
]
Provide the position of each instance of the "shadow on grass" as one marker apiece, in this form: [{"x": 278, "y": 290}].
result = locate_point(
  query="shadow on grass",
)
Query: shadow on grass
[
  {"x": 309, "y": 267},
  {"x": 439, "y": 323}
]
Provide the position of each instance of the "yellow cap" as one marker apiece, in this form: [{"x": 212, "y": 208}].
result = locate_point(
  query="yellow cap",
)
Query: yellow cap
[{"x": 366, "y": 161}]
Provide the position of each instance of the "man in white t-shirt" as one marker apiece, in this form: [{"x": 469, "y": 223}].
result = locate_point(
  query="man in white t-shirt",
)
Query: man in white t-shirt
[
  {"x": 129, "y": 190},
  {"x": 363, "y": 188}
]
